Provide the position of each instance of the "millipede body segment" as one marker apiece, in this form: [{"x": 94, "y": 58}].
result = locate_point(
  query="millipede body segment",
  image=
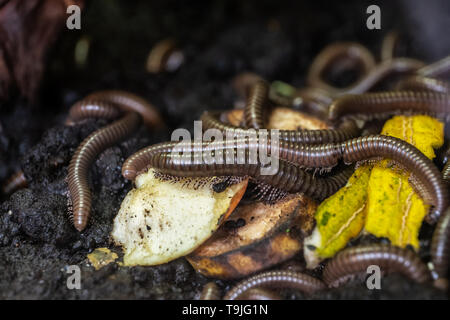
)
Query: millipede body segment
[
  {"x": 440, "y": 247},
  {"x": 82, "y": 160},
  {"x": 408, "y": 156},
  {"x": 15, "y": 182},
  {"x": 385, "y": 104},
  {"x": 276, "y": 279},
  {"x": 354, "y": 261},
  {"x": 346, "y": 130},
  {"x": 254, "y": 109}
]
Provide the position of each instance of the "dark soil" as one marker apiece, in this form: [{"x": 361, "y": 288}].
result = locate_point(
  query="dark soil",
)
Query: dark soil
[{"x": 220, "y": 39}]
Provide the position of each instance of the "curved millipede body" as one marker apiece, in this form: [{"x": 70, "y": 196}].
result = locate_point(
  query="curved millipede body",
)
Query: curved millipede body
[
  {"x": 210, "y": 291},
  {"x": 140, "y": 160},
  {"x": 384, "y": 104},
  {"x": 251, "y": 148},
  {"x": 446, "y": 172},
  {"x": 440, "y": 247},
  {"x": 276, "y": 279},
  {"x": 284, "y": 176},
  {"x": 259, "y": 294},
  {"x": 15, "y": 182},
  {"x": 388, "y": 45},
  {"x": 408, "y": 156},
  {"x": 343, "y": 55},
  {"x": 164, "y": 56},
  {"x": 346, "y": 130},
  {"x": 254, "y": 108},
  {"x": 83, "y": 158},
  {"x": 89, "y": 108},
  {"x": 436, "y": 69},
  {"x": 244, "y": 161},
  {"x": 382, "y": 71},
  {"x": 127, "y": 101},
  {"x": 354, "y": 261},
  {"x": 419, "y": 83},
  {"x": 312, "y": 100}
]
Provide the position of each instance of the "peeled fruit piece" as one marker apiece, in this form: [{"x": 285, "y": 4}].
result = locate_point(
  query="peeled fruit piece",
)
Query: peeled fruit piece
[
  {"x": 160, "y": 221},
  {"x": 259, "y": 237}
]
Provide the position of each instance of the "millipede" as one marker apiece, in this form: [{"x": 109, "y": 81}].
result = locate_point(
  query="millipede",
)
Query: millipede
[
  {"x": 440, "y": 247},
  {"x": 354, "y": 261},
  {"x": 408, "y": 156},
  {"x": 88, "y": 108},
  {"x": 384, "y": 104},
  {"x": 127, "y": 101},
  {"x": 287, "y": 177},
  {"x": 192, "y": 163},
  {"x": 276, "y": 279},
  {"x": 85, "y": 154},
  {"x": 349, "y": 54},
  {"x": 259, "y": 294},
  {"x": 15, "y": 182},
  {"x": 302, "y": 155},
  {"x": 420, "y": 83},
  {"x": 254, "y": 108},
  {"x": 346, "y": 130},
  {"x": 107, "y": 104}
]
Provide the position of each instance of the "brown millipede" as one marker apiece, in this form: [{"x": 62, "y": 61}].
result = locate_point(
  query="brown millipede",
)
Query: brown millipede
[
  {"x": 127, "y": 101},
  {"x": 419, "y": 83},
  {"x": 383, "y": 104},
  {"x": 139, "y": 161},
  {"x": 407, "y": 155},
  {"x": 276, "y": 279},
  {"x": 349, "y": 54},
  {"x": 89, "y": 108},
  {"x": 382, "y": 71},
  {"x": 440, "y": 246},
  {"x": 436, "y": 69},
  {"x": 164, "y": 56},
  {"x": 388, "y": 45},
  {"x": 15, "y": 182},
  {"x": 83, "y": 158},
  {"x": 354, "y": 261},
  {"x": 256, "y": 101},
  {"x": 446, "y": 172},
  {"x": 287, "y": 177},
  {"x": 259, "y": 294},
  {"x": 210, "y": 291},
  {"x": 312, "y": 100},
  {"x": 303, "y": 155},
  {"x": 346, "y": 130}
]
